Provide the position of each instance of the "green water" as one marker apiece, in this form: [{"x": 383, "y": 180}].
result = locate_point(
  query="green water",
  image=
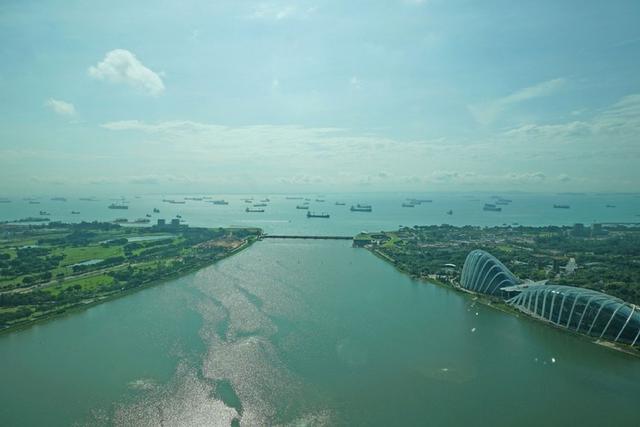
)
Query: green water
[{"x": 308, "y": 333}]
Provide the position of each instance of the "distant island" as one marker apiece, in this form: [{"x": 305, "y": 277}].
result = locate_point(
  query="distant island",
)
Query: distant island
[{"x": 49, "y": 269}]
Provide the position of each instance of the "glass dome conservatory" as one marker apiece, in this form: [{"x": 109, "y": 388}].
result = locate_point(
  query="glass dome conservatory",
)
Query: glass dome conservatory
[
  {"x": 483, "y": 273},
  {"x": 581, "y": 310}
]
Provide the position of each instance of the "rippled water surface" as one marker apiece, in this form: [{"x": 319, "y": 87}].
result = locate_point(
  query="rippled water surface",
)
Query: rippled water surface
[{"x": 307, "y": 333}]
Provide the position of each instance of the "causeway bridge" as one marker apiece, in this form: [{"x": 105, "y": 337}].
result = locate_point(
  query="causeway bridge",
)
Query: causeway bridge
[{"x": 300, "y": 236}]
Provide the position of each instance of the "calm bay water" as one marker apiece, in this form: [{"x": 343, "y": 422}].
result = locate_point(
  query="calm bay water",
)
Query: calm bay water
[{"x": 315, "y": 333}]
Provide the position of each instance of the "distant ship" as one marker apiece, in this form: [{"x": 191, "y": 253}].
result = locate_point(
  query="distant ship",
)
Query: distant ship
[
  {"x": 302, "y": 207},
  {"x": 314, "y": 215},
  {"x": 44, "y": 213},
  {"x": 419, "y": 201},
  {"x": 220, "y": 202},
  {"x": 178, "y": 216},
  {"x": 562, "y": 206},
  {"x": 75, "y": 213},
  {"x": 259, "y": 205},
  {"x": 265, "y": 200},
  {"x": 340, "y": 203},
  {"x": 121, "y": 220},
  {"x": 58, "y": 199},
  {"x": 293, "y": 198},
  {"x": 361, "y": 208},
  {"x": 33, "y": 202},
  {"x": 253, "y": 210},
  {"x": 197, "y": 199},
  {"x": 611, "y": 206},
  {"x": 156, "y": 210},
  {"x": 449, "y": 212},
  {"x": 174, "y": 202},
  {"x": 320, "y": 200},
  {"x": 142, "y": 221},
  {"x": 408, "y": 205},
  {"x": 5, "y": 201},
  {"x": 148, "y": 215},
  {"x": 118, "y": 206},
  {"x": 491, "y": 207},
  {"x": 87, "y": 199}
]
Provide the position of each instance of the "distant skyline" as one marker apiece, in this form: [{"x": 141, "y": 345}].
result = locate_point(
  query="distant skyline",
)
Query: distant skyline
[{"x": 319, "y": 96}]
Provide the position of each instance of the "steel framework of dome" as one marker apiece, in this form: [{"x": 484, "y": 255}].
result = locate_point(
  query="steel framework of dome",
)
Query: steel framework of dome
[
  {"x": 485, "y": 274},
  {"x": 581, "y": 310}
]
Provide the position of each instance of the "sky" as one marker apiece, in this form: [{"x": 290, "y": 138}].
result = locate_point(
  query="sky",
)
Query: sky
[{"x": 115, "y": 96}]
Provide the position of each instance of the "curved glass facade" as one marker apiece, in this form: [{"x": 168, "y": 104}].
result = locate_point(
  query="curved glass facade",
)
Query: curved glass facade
[
  {"x": 582, "y": 310},
  {"x": 485, "y": 274}
]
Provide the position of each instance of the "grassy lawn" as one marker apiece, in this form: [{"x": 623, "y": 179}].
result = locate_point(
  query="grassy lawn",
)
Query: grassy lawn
[
  {"x": 87, "y": 283},
  {"x": 74, "y": 255}
]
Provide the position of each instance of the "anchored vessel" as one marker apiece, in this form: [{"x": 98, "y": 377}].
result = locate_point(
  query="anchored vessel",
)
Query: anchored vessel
[
  {"x": 561, "y": 206},
  {"x": 302, "y": 207},
  {"x": 314, "y": 215},
  {"x": 491, "y": 207},
  {"x": 118, "y": 206},
  {"x": 361, "y": 208},
  {"x": 253, "y": 210},
  {"x": 220, "y": 202}
]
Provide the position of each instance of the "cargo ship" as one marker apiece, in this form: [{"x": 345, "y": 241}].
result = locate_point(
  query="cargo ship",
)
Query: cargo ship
[
  {"x": 302, "y": 207},
  {"x": 58, "y": 199},
  {"x": 220, "y": 202},
  {"x": 361, "y": 208},
  {"x": 259, "y": 205},
  {"x": 75, "y": 213},
  {"x": 561, "y": 207},
  {"x": 253, "y": 210},
  {"x": 340, "y": 204},
  {"x": 315, "y": 215},
  {"x": 491, "y": 207},
  {"x": 408, "y": 205},
  {"x": 118, "y": 206}
]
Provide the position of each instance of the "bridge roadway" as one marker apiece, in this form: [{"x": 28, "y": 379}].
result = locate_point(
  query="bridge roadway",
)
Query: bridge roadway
[{"x": 285, "y": 236}]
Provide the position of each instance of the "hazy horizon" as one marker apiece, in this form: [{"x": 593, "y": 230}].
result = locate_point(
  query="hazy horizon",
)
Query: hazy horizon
[{"x": 317, "y": 96}]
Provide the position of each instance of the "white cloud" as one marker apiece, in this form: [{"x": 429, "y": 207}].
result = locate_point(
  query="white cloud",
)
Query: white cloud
[
  {"x": 488, "y": 112},
  {"x": 122, "y": 66},
  {"x": 60, "y": 107}
]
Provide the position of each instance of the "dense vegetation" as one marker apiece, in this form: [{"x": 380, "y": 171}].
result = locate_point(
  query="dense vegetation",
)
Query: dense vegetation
[{"x": 607, "y": 260}]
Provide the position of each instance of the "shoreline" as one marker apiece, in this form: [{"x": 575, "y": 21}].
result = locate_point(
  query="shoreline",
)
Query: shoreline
[
  {"x": 505, "y": 308},
  {"x": 76, "y": 308}
]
